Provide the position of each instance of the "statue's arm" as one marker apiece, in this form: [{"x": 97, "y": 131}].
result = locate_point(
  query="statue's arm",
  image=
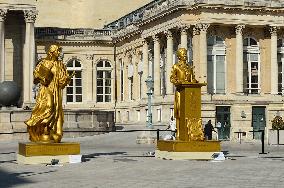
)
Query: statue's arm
[{"x": 173, "y": 77}]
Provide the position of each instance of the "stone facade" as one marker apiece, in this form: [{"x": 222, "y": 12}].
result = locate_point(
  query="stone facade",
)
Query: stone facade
[
  {"x": 244, "y": 89},
  {"x": 236, "y": 47}
]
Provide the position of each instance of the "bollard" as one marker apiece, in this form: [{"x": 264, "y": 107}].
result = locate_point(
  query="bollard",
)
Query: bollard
[
  {"x": 262, "y": 142},
  {"x": 158, "y": 134}
]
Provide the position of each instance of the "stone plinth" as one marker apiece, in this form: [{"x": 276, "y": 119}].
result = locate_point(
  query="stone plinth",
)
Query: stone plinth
[
  {"x": 38, "y": 153},
  {"x": 191, "y": 146},
  {"x": 176, "y": 149}
]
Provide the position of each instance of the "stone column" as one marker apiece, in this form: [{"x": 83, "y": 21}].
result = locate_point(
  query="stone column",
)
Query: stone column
[
  {"x": 2, "y": 44},
  {"x": 169, "y": 63},
  {"x": 239, "y": 58},
  {"x": 145, "y": 68},
  {"x": 125, "y": 79},
  {"x": 135, "y": 76},
  {"x": 118, "y": 78},
  {"x": 183, "y": 37},
  {"x": 157, "y": 76},
  {"x": 29, "y": 56},
  {"x": 88, "y": 90},
  {"x": 274, "y": 66},
  {"x": 203, "y": 53}
]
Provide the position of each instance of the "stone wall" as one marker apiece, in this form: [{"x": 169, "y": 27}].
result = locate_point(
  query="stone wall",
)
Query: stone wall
[{"x": 75, "y": 123}]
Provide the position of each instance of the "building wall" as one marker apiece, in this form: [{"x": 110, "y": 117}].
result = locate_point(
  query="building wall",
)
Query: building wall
[{"x": 223, "y": 24}]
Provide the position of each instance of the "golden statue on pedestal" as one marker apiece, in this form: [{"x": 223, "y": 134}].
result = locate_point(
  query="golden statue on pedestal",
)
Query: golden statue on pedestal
[
  {"x": 45, "y": 124},
  {"x": 188, "y": 124},
  {"x": 189, "y": 143}
]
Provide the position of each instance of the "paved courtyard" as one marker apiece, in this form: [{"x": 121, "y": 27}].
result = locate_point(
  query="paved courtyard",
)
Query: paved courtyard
[{"x": 115, "y": 160}]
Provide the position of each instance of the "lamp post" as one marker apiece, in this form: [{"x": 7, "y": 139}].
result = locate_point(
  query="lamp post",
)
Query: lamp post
[{"x": 150, "y": 83}]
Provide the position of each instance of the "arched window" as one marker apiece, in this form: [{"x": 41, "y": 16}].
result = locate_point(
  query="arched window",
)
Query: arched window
[
  {"x": 74, "y": 89},
  {"x": 216, "y": 65},
  {"x": 280, "y": 62},
  {"x": 104, "y": 81},
  {"x": 251, "y": 67}
]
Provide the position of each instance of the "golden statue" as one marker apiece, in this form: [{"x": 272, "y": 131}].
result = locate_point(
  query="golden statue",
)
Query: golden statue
[
  {"x": 189, "y": 143},
  {"x": 182, "y": 72},
  {"x": 189, "y": 123},
  {"x": 45, "y": 124}
]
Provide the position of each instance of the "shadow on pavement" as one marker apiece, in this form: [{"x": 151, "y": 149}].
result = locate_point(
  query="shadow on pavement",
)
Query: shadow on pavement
[
  {"x": 10, "y": 161},
  {"x": 88, "y": 157},
  {"x": 12, "y": 179},
  {"x": 7, "y": 153}
]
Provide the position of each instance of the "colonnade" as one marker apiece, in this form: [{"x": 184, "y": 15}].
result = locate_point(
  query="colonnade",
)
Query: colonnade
[
  {"x": 199, "y": 31},
  {"x": 28, "y": 52}
]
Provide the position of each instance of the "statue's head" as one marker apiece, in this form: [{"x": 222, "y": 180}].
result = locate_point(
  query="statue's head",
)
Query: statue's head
[
  {"x": 54, "y": 51},
  {"x": 182, "y": 54}
]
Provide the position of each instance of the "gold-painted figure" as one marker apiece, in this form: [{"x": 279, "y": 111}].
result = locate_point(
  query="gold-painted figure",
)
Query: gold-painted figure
[
  {"x": 189, "y": 124},
  {"x": 46, "y": 121},
  {"x": 181, "y": 71}
]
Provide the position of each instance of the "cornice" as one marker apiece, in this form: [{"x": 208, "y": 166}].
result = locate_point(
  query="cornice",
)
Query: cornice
[
  {"x": 130, "y": 46},
  {"x": 80, "y": 42},
  {"x": 164, "y": 27}
]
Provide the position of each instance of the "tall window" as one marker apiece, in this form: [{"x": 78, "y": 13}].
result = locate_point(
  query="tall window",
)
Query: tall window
[
  {"x": 216, "y": 65},
  {"x": 74, "y": 89},
  {"x": 140, "y": 73},
  {"x": 130, "y": 78},
  {"x": 104, "y": 81},
  {"x": 121, "y": 80},
  {"x": 163, "y": 72},
  {"x": 189, "y": 50},
  {"x": 251, "y": 67},
  {"x": 280, "y": 61}
]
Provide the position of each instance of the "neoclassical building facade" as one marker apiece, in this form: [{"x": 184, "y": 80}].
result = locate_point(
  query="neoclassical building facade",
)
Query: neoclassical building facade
[{"x": 236, "y": 47}]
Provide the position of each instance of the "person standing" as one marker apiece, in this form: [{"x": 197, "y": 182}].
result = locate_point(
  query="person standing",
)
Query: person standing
[
  {"x": 208, "y": 130},
  {"x": 172, "y": 126}
]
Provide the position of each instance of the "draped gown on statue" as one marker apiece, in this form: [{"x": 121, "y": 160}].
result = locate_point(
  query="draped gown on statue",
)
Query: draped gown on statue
[{"x": 47, "y": 116}]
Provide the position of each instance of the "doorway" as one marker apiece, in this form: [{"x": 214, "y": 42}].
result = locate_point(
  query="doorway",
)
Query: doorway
[
  {"x": 223, "y": 122},
  {"x": 258, "y": 121}
]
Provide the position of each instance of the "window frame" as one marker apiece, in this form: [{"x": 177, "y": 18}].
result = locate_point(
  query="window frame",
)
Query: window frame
[
  {"x": 73, "y": 80},
  {"x": 248, "y": 51},
  {"x": 105, "y": 70},
  {"x": 215, "y": 50}
]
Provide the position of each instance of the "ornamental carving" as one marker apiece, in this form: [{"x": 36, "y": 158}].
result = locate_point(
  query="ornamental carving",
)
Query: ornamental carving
[
  {"x": 30, "y": 15},
  {"x": 89, "y": 56},
  {"x": 273, "y": 30},
  {"x": 3, "y": 13},
  {"x": 200, "y": 27},
  {"x": 239, "y": 29},
  {"x": 169, "y": 34},
  {"x": 156, "y": 38}
]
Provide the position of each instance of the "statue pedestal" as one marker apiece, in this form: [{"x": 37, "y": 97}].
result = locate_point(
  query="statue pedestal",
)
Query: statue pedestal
[
  {"x": 41, "y": 153},
  {"x": 176, "y": 149}
]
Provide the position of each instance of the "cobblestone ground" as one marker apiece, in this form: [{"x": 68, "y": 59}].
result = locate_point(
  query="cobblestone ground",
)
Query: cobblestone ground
[{"x": 115, "y": 160}]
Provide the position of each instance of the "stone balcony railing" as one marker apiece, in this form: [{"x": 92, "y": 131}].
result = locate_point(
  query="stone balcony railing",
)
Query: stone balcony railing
[{"x": 72, "y": 34}]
